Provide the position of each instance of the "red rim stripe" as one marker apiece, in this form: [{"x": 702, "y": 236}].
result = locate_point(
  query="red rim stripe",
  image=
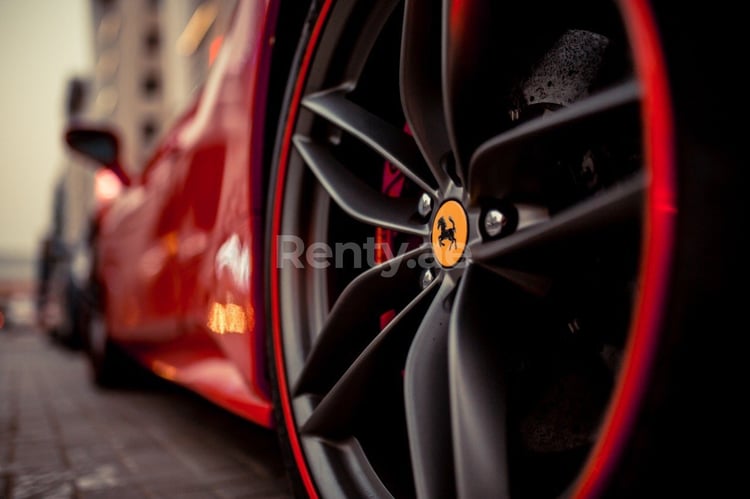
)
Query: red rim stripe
[{"x": 291, "y": 429}]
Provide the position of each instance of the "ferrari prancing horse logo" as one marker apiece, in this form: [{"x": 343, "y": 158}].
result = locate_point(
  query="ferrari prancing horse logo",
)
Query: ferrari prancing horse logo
[
  {"x": 449, "y": 233},
  {"x": 446, "y": 233}
]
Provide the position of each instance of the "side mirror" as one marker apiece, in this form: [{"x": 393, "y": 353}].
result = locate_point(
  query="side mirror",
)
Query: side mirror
[{"x": 100, "y": 145}]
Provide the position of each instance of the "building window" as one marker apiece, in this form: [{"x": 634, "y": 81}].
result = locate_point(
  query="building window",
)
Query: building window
[
  {"x": 152, "y": 41},
  {"x": 151, "y": 85},
  {"x": 149, "y": 129}
]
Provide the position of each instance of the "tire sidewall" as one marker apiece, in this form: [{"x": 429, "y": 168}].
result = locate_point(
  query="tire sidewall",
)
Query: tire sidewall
[{"x": 296, "y": 480}]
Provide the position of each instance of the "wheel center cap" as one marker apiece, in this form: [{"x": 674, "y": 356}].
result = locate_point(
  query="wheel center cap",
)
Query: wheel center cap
[{"x": 450, "y": 231}]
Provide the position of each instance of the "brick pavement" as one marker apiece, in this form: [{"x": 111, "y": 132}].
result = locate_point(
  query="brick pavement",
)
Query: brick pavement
[{"x": 62, "y": 438}]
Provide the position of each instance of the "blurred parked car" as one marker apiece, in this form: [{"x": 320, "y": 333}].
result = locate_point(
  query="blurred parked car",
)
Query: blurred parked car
[
  {"x": 448, "y": 249},
  {"x": 64, "y": 296}
]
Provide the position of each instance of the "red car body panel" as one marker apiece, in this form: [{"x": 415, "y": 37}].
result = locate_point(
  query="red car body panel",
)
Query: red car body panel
[{"x": 180, "y": 251}]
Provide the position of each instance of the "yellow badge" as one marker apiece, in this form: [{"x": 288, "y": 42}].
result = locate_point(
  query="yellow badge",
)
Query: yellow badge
[{"x": 450, "y": 231}]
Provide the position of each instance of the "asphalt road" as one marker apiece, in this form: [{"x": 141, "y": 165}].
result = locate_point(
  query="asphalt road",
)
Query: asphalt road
[{"x": 62, "y": 438}]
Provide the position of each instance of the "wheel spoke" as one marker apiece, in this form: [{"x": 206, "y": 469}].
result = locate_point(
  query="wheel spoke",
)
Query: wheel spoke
[
  {"x": 360, "y": 52},
  {"x": 333, "y": 417},
  {"x": 462, "y": 65},
  {"x": 492, "y": 165},
  {"x": 394, "y": 145},
  {"x": 355, "y": 197},
  {"x": 420, "y": 76},
  {"x": 477, "y": 395},
  {"x": 617, "y": 205},
  {"x": 388, "y": 286},
  {"x": 427, "y": 401}
]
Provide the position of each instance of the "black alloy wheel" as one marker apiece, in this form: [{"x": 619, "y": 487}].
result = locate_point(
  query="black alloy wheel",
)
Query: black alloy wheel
[{"x": 466, "y": 334}]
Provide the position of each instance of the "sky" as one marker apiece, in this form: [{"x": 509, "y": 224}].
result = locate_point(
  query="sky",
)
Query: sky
[{"x": 42, "y": 44}]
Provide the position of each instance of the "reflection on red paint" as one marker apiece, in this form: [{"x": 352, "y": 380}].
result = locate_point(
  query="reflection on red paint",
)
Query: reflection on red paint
[
  {"x": 230, "y": 319},
  {"x": 457, "y": 14},
  {"x": 2, "y": 320},
  {"x": 164, "y": 370},
  {"x": 213, "y": 49},
  {"x": 106, "y": 186}
]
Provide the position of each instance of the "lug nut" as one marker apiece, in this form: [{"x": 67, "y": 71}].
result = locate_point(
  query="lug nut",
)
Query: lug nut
[
  {"x": 427, "y": 278},
  {"x": 573, "y": 326},
  {"x": 494, "y": 222},
  {"x": 425, "y": 205}
]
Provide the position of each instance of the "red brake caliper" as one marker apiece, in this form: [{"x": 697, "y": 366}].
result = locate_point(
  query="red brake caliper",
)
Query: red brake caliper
[{"x": 392, "y": 185}]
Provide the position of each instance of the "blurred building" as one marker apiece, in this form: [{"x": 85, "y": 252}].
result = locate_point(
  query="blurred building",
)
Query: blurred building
[{"x": 150, "y": 56}]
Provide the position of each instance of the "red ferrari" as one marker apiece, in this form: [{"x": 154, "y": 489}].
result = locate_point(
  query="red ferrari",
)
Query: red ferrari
[{"x": 447, "y": 249}]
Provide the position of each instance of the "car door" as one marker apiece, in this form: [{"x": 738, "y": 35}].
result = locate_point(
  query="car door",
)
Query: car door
[{"x": 137, "y": 249}]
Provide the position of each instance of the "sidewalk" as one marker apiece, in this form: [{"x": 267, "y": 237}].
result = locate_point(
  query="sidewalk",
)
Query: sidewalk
[{"x": 62, "y": 438}]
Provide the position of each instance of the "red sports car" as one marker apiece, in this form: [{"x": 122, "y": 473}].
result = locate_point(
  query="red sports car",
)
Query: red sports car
[{"x": 462, "y": 248}]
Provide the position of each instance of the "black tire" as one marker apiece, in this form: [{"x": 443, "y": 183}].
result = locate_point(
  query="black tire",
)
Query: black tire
[
  {"x": 667, "y": 434},
  {"x": 72, "y": 330},
  {"x": 108, "y": 364},
  {"x": 691, "y": 416},
  {"x": 294, "y": 27}
]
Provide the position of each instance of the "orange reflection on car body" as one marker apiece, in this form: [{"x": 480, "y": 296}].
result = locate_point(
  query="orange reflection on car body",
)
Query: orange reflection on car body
[
  {"x": 229, "y": 319},
  {"x": 214, "y": 48},
  {"x": 164, "y": 370}
]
